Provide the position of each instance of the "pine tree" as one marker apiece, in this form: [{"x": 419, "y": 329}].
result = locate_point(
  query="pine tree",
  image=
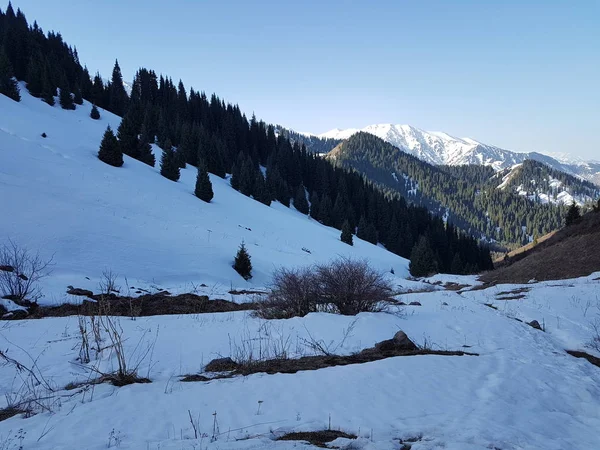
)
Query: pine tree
[
  {"x": 573, "y": 214},
  {"x": 242, "y": 263},
  {"x": 128, "y": 136},
  {"x": 371, "y": 234},
  {"x": 346, "y": 235},
  {"x": 77, "y": 97},
  {"x": 168, "y": 163},
  {"x": 65, "y": 98},
  {"x": 422, "y": 259},
  {"x": 300, "y": 202},
  {"x": 203, "y": 189},
  {"x": 95, "y": 114},
  {"x": 8, "y": 85},
  {"x": 110, "y": 152},
  {"x": 117, "y": 96},
  {"x": 314, "y": 205},
  {"x": 145, "y": 154},
  {"x": 457, "y": 266},
  {"x": 361, "y": 231}
]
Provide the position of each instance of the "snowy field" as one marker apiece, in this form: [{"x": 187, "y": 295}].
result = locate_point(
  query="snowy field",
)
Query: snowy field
[{"x": 523, "y": 391}]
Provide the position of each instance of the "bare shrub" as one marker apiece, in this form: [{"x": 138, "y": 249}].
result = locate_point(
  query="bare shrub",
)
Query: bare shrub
[
  {"x": 352, "y": 286},
  {"x": 108, "y": 282},
  {"x": 594, "y": 342},
  {"x": 343, "y": 286},
  {"x": 20, "y": 272},
  {"x": 293, "y": 293}
]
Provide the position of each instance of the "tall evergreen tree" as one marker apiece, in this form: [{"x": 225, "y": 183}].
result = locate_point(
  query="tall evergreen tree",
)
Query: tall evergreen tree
[
  {"x": 422, "y": 259},
  {"x": 77, "y": 96},
  {"x": 110, "y": 152},
  {"x": 118, "y": 98},
  {"x": 65, "y": 98},
  {"x": 8, "y": 85},
  {"x": 144, "y": 151},
  {"x": 573, "y": 214},
  {"x": 300, "y": 202},
  {"x": 346, "y": 235},
  {"x": 242, "y": 263},
  {"x": 168, "y": 163},
  {"x": 127, "y": 134},
  {"x": 457, "y": 266},
  {"x": 314, "y": 205},
  {"x": 203, "y": 189}
]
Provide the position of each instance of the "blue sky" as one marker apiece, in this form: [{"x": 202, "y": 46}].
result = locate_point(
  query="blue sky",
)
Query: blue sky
[{"x": 523, "y": 75}]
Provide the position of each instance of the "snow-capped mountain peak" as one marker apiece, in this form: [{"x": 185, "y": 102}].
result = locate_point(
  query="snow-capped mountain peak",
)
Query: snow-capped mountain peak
[{"x": 436, "y": 147}]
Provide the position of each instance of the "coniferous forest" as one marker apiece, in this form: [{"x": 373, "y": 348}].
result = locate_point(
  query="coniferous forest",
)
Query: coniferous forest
[
  {"x": 469, "y": 194},
  {"x": 192, "y": 127}
]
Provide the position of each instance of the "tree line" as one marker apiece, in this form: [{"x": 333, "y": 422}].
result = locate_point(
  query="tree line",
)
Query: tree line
[{"x": 193, "y": 128}]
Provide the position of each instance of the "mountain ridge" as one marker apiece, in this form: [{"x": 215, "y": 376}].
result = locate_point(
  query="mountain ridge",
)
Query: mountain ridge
[{"x": 441, "y": 148}]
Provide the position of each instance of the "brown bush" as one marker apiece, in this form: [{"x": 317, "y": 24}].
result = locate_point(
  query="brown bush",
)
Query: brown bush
[{"x": 342, "y": 286}]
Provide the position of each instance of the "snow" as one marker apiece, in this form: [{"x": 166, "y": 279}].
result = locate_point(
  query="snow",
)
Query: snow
[
  {"x": 523, "y": 391},
  {"x": 89, "y": 216},
  {"x": 437, "y": 147}
]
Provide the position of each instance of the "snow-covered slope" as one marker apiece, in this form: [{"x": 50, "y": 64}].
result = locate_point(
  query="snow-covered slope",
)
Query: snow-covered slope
[
  {"x": 58, "y": 198},
  {"x": 522, "y": 391},
  {"x": 442, "y": 148}
]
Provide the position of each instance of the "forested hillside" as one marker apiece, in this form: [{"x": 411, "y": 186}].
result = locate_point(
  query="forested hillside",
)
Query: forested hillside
[
  {"x": 463, "y": 193},
  {"x": 314, "y": 144},
  {"x": 193, "y": 128},
  {"x": 543, "y": 184}
]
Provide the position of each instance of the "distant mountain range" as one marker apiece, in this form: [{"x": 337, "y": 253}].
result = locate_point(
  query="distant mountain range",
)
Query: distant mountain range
[
  {"x": 510, "y": 206},
  {"x": 443, "y": 149}
]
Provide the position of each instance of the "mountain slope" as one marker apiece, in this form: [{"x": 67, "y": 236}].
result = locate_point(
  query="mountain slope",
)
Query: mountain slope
[
  {"x": 463, "y": 194},
  {"x": 542, "y": 184},
  {"x": 571, "y": 252},
  {"x": 59, "y": 198},
  {"x": 441, "y": 148}
]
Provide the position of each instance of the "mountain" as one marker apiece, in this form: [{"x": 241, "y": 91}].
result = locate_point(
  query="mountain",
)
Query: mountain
[
  {"x": 441, "y": 148},
  {"x": 470, "y": 196},
  {"x": 542, "y": 184}
]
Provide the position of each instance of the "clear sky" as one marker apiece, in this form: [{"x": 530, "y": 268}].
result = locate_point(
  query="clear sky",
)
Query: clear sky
[{"x": 523, "y": 75}]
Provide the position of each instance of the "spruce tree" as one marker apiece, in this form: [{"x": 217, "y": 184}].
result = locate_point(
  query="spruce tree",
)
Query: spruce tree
[
  {"x": 145, "y": 154},
  {"x": 346, "y": 235},
  {"x": 242, "y": 263},
  {"x": 203, "y": 189},
  {"x": 371, "y": 234},
  {"x": 95, "y": 114},
  {"x": 422, "y": 259},
  {"x": 77, "y": 97},
  {"x": 300, "y": 202},
  {"x": 8, "y": 85},
  {"x": 457, "y": 266},
  {"x": 128, "y": 136},
  {"x": 117, "y": 96},
  {"x": 361, "y": 231},
  {"x": 65, "y": 98},
  {"x": 110, "y": 152},
  {"x": 314, "y": 205},
  {"x": 573, "y": 214},
  {"x": 168, "y": 163}
]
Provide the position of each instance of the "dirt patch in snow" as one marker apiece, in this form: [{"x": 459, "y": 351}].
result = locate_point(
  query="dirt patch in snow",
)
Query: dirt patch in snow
[
  {"x": 579, "y": 354},
  {"x": 144, "y": 305},
  {"x": 317, "y": 438},
  {"x": 382, "y": 350}
]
